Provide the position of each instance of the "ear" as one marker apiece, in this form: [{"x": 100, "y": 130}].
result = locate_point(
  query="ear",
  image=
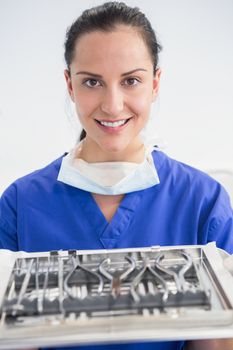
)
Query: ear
[
  {"x": 69, "y": 84},
  {"x": 156, "y": 81}
]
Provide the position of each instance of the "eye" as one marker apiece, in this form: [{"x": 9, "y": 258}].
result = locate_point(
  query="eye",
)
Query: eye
[
  {"x": 131, "y": 81},
  {"x": 91, "y": 83}
]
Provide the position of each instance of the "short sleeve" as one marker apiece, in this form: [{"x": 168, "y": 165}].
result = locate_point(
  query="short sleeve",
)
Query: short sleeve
[
  {"x": 219, "y": 226},
  {"x": 8, "y": 219}
]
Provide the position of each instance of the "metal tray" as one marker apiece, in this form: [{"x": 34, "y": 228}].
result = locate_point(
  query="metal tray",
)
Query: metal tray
[{"x": 102, "y": 296}]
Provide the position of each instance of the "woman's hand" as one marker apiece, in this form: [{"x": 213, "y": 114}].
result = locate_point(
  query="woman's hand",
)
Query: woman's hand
[{"x": 210, "y": 344}]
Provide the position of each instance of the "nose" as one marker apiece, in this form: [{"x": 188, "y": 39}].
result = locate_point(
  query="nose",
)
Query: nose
[{"x": 112, "y": 102}]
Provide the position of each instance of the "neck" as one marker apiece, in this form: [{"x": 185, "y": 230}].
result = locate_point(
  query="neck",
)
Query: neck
[{"x": 92, "y": 153}]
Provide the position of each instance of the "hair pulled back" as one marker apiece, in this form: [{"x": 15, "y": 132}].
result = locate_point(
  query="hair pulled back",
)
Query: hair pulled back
[{"x": 105, "y": 18}]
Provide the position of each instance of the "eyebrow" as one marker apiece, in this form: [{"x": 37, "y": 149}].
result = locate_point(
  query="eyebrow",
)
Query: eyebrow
[{"x": 100, "y": 76}]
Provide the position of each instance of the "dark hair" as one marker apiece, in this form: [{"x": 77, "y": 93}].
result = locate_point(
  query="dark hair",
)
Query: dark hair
[{"x": 105, "y": 18}]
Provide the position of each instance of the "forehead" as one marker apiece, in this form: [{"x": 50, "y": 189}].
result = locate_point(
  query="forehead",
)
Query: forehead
[{"x": 123, "y": 46}]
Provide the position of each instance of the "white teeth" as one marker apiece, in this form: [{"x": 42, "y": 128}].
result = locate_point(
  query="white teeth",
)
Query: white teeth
[{"x": 114, "y": 124}]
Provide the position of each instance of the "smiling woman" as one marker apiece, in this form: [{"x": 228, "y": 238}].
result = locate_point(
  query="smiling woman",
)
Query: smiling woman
[
  {"x": 112, "y": 190},
  {"x": 113, "y": 105}
]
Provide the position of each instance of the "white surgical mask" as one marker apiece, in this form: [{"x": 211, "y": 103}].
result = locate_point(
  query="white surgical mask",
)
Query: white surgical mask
[{"x": 108, "y": 178}]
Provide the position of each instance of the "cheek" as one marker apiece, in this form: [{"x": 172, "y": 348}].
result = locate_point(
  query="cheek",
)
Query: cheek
[
  {"x": 84, "y": 104},
  {"x": 142, "y": 103}
]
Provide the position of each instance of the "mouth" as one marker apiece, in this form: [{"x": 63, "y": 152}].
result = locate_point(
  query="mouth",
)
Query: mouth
[{"x": 113, "y": 124}]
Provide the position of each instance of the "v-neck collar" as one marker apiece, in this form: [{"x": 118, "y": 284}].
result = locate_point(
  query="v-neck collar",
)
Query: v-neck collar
[{"x": 109, "y": 233}]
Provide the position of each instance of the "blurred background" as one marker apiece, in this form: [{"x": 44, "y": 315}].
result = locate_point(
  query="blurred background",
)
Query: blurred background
[{"x": 192, "y": 118}]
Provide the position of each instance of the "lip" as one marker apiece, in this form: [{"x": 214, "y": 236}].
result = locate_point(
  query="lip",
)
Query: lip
[
  {"x": 112, "y": 120},
  {"x": 111, "y": 129}
]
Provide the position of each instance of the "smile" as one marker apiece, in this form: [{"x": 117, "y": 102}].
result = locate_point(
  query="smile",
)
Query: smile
[{"x": 113, "y": 124}]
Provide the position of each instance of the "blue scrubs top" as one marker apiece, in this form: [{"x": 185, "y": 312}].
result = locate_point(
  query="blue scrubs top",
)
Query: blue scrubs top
[{"x": 39, "y": 213}]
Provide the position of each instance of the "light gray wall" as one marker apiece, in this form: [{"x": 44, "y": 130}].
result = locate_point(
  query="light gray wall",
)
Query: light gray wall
[{"x": 194, "y": 112}]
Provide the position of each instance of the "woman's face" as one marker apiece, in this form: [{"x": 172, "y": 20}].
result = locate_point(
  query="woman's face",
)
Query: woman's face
[{"x": 112, "y": 84}]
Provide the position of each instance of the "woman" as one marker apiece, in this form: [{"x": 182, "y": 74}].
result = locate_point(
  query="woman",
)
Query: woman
[{"x": 112, "y": 191}]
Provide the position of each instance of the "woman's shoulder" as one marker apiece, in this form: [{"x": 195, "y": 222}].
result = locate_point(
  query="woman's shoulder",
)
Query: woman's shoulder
[
  {"x": 181, "y": 180},
  {"x": 179, "y": 172},
  {"x": 40, "y": 177},
  {"x": 193, "y": 192}
]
